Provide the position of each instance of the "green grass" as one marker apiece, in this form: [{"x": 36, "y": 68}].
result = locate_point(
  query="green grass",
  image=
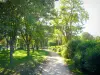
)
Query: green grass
[{"x": 21, "y": 62}]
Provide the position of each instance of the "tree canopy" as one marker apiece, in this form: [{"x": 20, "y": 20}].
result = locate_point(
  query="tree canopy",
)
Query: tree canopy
[
  {"x": 21, "y": 18},
  {"x": 70, "y": 17}
]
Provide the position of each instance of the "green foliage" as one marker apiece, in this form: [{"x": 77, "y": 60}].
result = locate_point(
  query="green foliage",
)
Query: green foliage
[
  {"x": 90, "y": 59},
  {"x": 64, "y": 53},
  {"x": 52, "y": 43},
  {"x": 72, "y": 67},
  {"x": 61, "y": 50},
  {"x": 72, "y": 47},
  {"x": 81, "y": 52},
  {"x": 21, "y": 62},
  {"x": 22, "y": 18},
  {"x": 70, "y": 18},
  {"x": 86, "y": 44},
  {"x": 85, "y": 55},
  {"x": 97, "y": 38},
  {"x": 56, "y": 48},
  {"x": 4, "y": 60},
  {"x": 86, "y": 36}
]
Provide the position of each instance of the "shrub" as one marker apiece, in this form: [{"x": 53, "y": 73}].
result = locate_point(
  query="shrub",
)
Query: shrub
[
  {"x": 58, "y": 50},
  {"x": 53, "y": 48},
  {"x": 77, "y": 59},
  {"x": 85, "y": 55},
  {"x": 64, "y": 53},
  {"x": 59, "y": 53},
  {"x": 71, "y": 47},
  {"x": 89, "y": 52},
  {"x": 53, "y": 43},
  {"x": 86, "y": 44},
  {"x": 91, "y": 58}
]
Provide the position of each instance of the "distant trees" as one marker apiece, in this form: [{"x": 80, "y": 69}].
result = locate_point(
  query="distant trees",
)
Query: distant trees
[
  {"x": 21, "y": 18},
  {"x": 97, "y": 38},
  {"x": 86, "y": 36}
]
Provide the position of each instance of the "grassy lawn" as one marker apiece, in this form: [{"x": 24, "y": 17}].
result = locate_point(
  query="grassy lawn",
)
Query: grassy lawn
[{"x": 22, "y": 65}]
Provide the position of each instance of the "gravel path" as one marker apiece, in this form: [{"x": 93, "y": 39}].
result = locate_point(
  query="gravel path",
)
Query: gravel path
[{"x": 54, "y": 66}]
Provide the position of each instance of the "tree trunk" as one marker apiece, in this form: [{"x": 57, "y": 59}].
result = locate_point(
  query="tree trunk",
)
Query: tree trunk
[
  {"x": 11, "y": 50},
  {"x": 15, "y": 46},
  {"x": 42, "y": 45},
  {"x": 33, "y": 48},
  {"x": 37, "y": 47},
  {"x": 37, "y": 44},
  {"x": 28, "y": 50},
  {"x": 7, "y": 43}
]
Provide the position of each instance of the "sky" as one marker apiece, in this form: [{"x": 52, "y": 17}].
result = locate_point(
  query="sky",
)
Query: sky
[
  {"x": 93, "y": 8},
  {"x": 93, "y": 24}
]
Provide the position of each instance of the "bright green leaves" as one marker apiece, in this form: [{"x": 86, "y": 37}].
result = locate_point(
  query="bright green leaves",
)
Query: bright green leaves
[{"x": 70, "y": 17}]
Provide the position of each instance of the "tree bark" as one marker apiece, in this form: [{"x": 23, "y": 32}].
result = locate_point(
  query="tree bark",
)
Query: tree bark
[
  {"x": 33, "y": 48},
  {"x": 11, "y": 50},
  {"x": 37, "y": 47},
  {"x": 28, "y": 50},
  {"x": 7, "y": 43}
]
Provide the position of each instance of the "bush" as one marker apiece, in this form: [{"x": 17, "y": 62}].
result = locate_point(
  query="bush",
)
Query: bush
[
  {"x": 71, "y": 47},
  {"x": 64, "y": 53},
  {"x": 88, "y": 55},
  {"x": 59, "y": 53},
  {"x": 77, "y": 59},
  {"x": 85, "y": 55},
  {"x": 56, "y": 48},
  {"x": 53, "y": 48},
  {"x": 86, "y": 44},
  {"x": 91, "y": 58},
  {"x": 59, "y": 49},
  {"x": 53, "y": 43}
]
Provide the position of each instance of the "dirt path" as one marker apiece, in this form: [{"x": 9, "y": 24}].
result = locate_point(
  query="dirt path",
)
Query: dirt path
[{"x": 54, "y": 66}]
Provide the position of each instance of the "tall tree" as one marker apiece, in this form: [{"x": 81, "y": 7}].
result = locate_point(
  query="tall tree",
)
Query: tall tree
[
  {"x": 31, "y": 29},
  {"x": 70, "y": 17},
  {"x": 13, "y": 11},
  {"x": 9, "y": 23}
]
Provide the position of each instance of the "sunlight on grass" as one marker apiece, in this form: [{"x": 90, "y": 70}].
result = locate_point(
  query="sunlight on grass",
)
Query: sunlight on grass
[
  {"x": 21, "y": 61},
  {"x": 38, "y": 56},
  {"x": 1, "y": 69},
  {"x": 20, "y": 53}
]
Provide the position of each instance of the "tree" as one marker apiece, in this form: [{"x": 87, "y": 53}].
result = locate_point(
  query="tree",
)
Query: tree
[
  {"x": 86, "y": 36},
  {"x": 13, "y": 11},
  {"x": 70, "y": 18},
  {"x": 97, "y": 38},
  {"x": 31, "y": 29},
  {"x": 9, "y": 22}
]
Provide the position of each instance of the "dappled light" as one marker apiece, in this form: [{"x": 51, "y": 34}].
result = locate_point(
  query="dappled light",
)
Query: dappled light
[
  {"x": 20, "y": 53},
  {"x": 22, "y": 64},
  {"x": 54, "y": 65},
  {"x": 45, "y": 37}
]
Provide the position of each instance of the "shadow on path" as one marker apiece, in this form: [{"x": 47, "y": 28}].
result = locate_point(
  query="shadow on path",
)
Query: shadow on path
[{"x": 54, "y": 65}]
